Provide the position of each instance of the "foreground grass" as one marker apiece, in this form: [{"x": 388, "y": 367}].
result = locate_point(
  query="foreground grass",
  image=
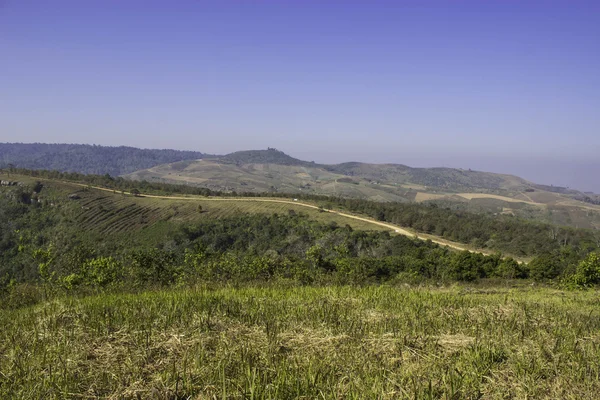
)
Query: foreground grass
[{"x": 335, "y": 342}]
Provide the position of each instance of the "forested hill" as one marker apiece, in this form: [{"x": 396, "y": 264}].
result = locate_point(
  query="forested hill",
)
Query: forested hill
[{"x": 88, "y": 159}]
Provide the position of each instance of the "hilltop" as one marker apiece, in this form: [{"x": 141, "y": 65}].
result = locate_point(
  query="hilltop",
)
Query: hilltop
[
  {"x": 269, "y": 156},
  {"x": 259, "y": 170}
]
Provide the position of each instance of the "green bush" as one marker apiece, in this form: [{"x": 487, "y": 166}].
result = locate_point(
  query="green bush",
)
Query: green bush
[
  {"x": 510, "y": 269},
  {"x": 544, "y": 267},
  {"x": 587, "y": 273}
]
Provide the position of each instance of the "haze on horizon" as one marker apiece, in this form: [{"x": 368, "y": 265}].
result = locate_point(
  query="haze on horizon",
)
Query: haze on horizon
[{"x": 508, "y": 86}]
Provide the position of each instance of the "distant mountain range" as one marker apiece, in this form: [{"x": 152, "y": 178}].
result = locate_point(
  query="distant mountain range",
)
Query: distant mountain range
[
  {"x": 272, "y": 170},
  {"x": 475, "y": 191},
  {"x": 251, "y": 170}
]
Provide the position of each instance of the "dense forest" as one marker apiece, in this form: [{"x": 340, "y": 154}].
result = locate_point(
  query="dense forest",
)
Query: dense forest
[{"x": 88, "y": 159}]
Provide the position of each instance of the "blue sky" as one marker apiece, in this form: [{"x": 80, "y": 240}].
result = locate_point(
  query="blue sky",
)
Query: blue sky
[{"x": 507, "y": 86}]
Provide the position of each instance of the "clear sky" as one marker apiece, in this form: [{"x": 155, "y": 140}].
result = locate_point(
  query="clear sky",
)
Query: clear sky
[{"x": 502, "y": 85}]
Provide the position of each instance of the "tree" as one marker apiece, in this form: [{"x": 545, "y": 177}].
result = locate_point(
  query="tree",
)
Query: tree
[
  {"x": 544, "y": 267},
  {"x": 464, "y": 266},
  {"x": 135, "y": 192},
  {"x": 587, "y": 273},
  {"x": 510, "y": 269},
  {"x": 200, "y": 208},
  {"x": 11, "y": 168}
]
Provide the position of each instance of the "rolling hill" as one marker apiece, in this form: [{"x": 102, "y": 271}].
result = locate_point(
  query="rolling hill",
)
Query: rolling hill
[
  {"x": 103, "y": 211},
  {"x": 274, "y": 171},
  {"x": 106, "y": 211}
]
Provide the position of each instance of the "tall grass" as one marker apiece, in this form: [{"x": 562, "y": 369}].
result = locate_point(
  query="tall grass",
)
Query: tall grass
[{"x": 331, "y": 342}]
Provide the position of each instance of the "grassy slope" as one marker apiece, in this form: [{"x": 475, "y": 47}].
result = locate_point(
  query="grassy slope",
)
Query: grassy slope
[
  {"x": 109, "y": 211},
  {"x": 335, "y": 342}
]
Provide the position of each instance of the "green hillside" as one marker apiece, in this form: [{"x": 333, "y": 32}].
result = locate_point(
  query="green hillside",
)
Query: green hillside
[{"x": 78, "y": 221}]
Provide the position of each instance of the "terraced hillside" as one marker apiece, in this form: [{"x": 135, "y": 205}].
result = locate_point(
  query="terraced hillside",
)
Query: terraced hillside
[{"x": 108, "y": 212}]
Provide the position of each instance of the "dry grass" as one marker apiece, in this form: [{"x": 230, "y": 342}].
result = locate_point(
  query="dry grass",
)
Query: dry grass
[
  {"x": 471, "y": 196},
  {"x": 334, "y": 342}
]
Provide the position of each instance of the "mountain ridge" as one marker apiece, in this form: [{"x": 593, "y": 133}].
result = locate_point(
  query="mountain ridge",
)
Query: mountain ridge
[
  {"x": 374, "y": 171},
  {"x": 87, "y": 158},
  {"x": 52, "y": 156}
]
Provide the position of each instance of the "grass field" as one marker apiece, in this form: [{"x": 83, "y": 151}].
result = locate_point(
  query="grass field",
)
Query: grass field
[{"x": 331, "y": 342}]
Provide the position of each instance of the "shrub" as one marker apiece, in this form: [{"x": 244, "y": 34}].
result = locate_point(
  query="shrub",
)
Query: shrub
[
  {"x": 587, "y": 272},
  {"x": 544, "y": 267},
  {"x": 510, "y": 269}
]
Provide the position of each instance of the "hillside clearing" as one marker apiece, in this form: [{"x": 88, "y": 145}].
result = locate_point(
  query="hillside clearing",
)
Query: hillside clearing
[{"x": 115, "y": 212}]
